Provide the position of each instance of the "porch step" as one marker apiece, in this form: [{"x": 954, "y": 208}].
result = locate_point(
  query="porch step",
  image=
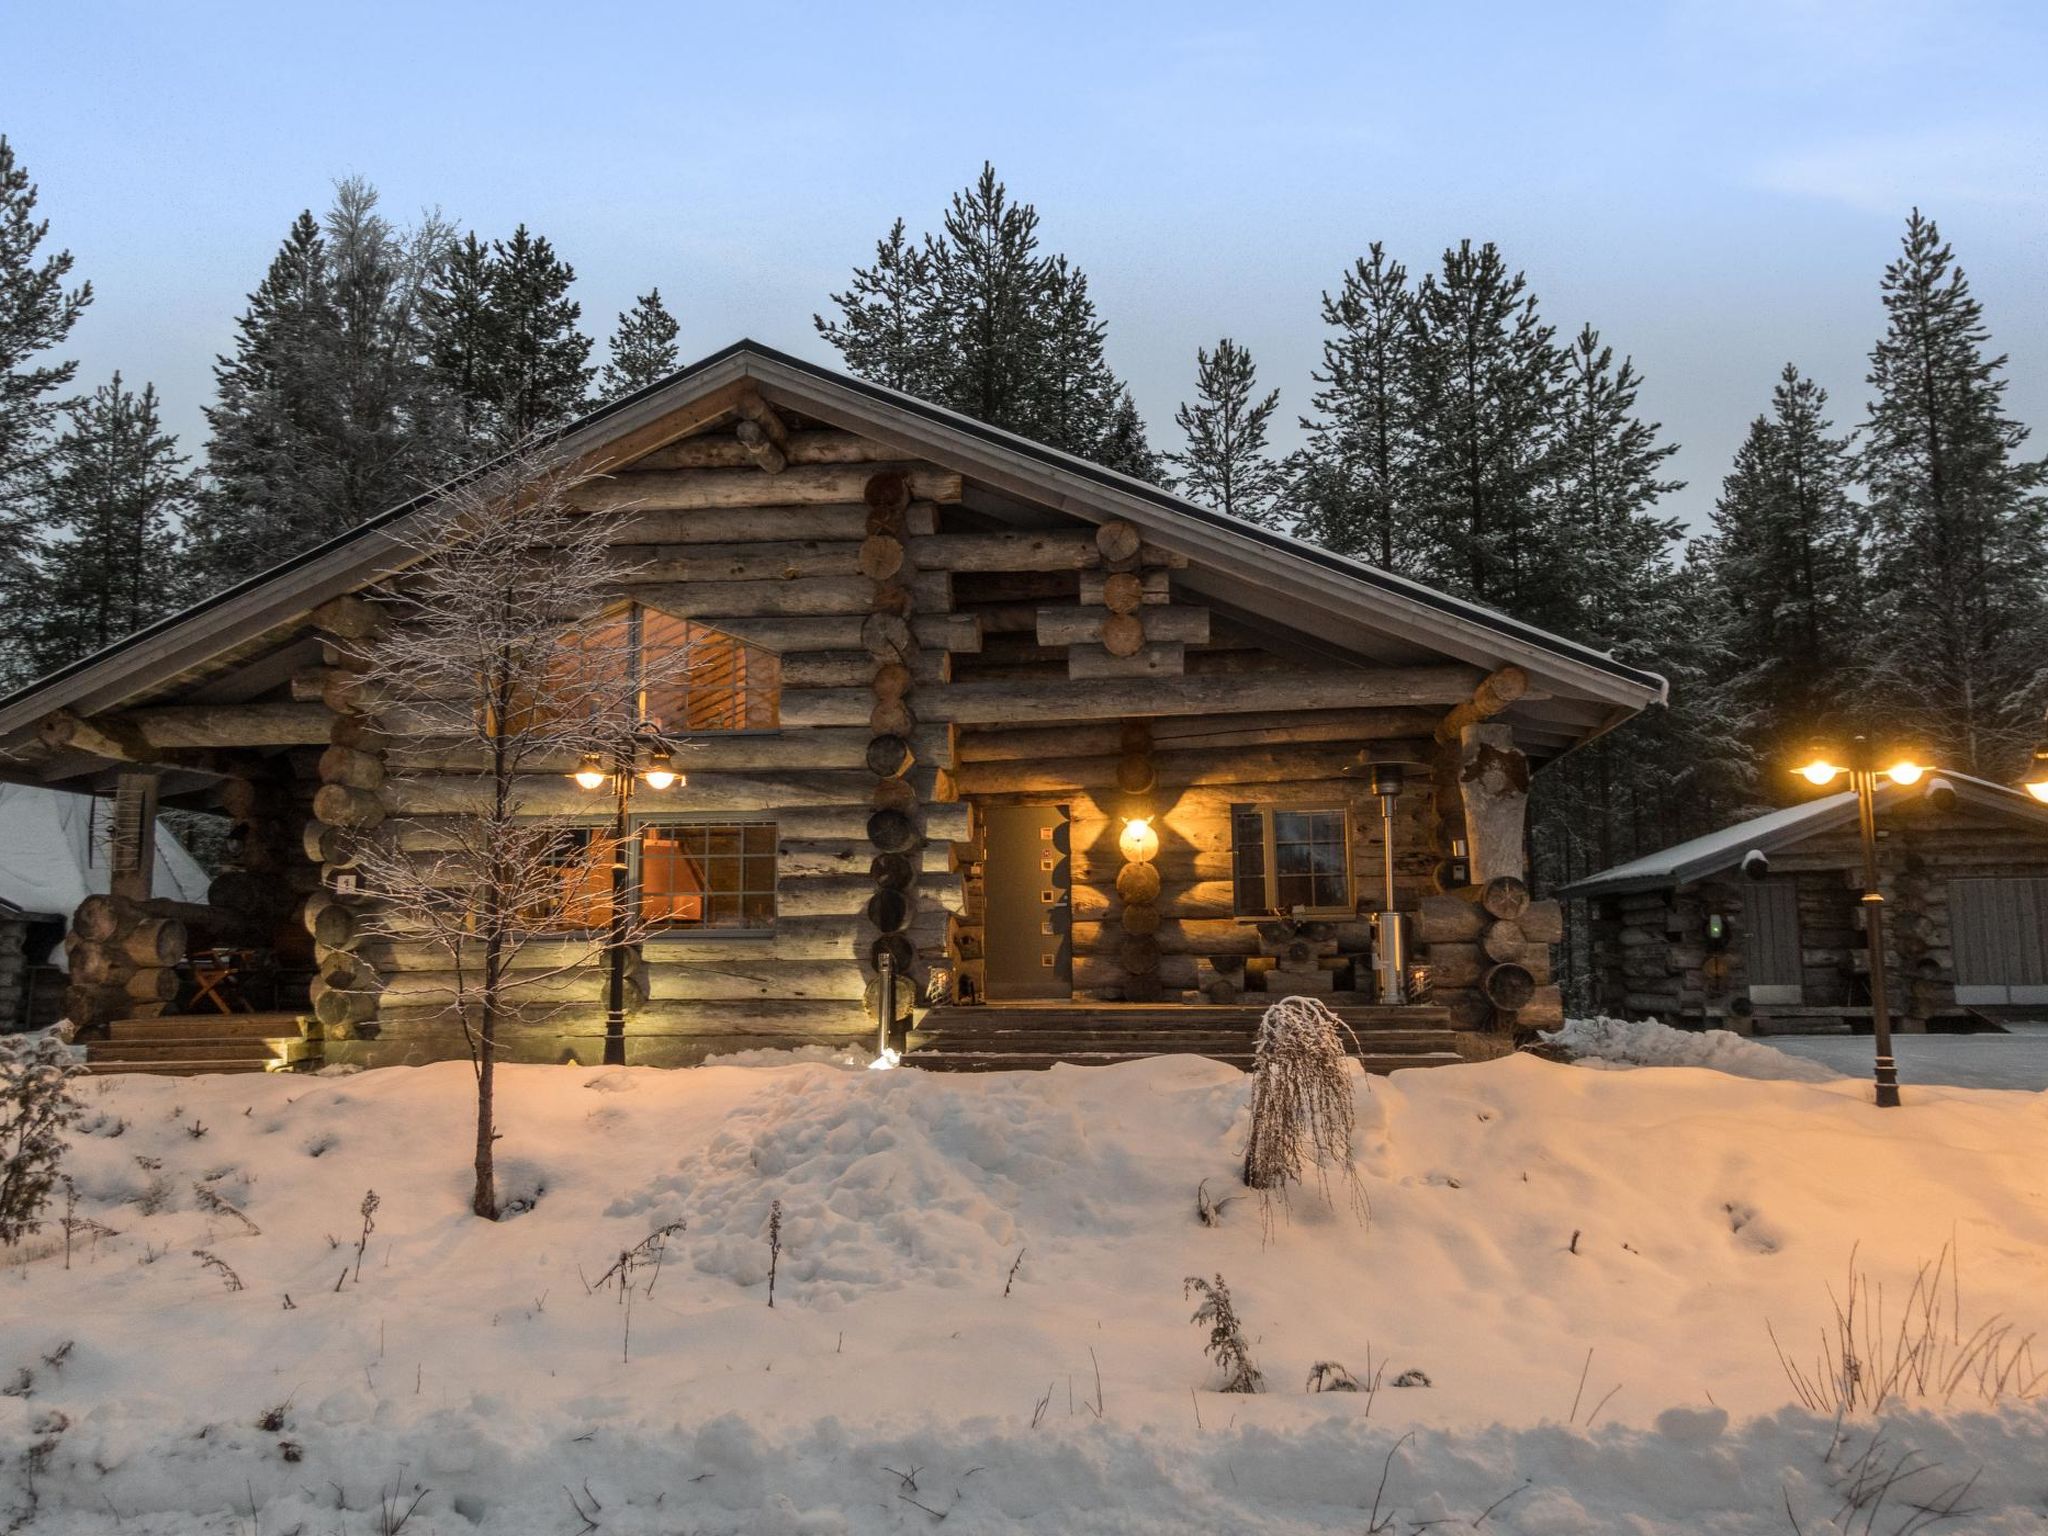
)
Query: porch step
[
  {"x": 1012, "y": 1037},
  {"x": 185, "y": 1045}
]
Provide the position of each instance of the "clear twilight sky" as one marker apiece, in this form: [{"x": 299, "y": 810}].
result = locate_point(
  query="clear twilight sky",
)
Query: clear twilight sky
[{"x": 1715, "y": 184}]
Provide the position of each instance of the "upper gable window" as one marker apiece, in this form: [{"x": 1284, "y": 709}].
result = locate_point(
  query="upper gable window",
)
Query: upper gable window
[{"x": 720, "y": 683}]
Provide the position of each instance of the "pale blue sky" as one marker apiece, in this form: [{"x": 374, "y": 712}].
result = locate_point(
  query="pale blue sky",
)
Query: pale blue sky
[{"x": 1716, "y": 184}]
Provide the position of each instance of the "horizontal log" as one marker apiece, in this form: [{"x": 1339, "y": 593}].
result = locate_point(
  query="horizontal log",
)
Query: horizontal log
[
  {"x": 1449, "y": 920},
  {"x": 1199, "y": 733},
  {"x": 823, "y": 748},
  {"x": 1166, "y": 658},
  {"x": 848, "y": 895},
  {"x": 856, "y": 670},
  {"x": 770, "y": 560},
  {"x": 1176, "y": 936},
  {"x": 1543, "y": 922},
  {"x": 745, "y": 978},
  {"x": 553, "y": 795},
  {"x": 1084, "y": 626},
  {"x": 716, "y": 489},
  {"x": 1041, "y": 550},
  {"x": 1185, "y": 769},
  {"x": 1543, "y": 1010},
  {"x": 840, "y": 524},
  {"x": 1106, "y": 973},
  {"x": 1205, "y": 899},
  {"x": 813, "y": 447},
  {"x": 814, "y": 597},
  {"x": 280, "y": 724},
  {"x": 972, "y": 703},
  {"x": 796, "y": 859},
  {"x": 1154, "y": 586},
  {"x": 839, "y": 632}
]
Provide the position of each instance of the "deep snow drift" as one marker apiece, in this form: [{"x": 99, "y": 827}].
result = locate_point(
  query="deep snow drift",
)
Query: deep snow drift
[{"x": 1523, "y": 1214}]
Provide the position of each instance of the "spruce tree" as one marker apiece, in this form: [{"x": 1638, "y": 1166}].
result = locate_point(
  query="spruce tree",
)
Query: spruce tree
[
  {"x": 328, "y": 411},
  {"x": 537, "y": 370},
  {"x": 1959, "y": 529},
  {"x": 643, "y": 348},
  {"x": 118, "y": 494},
  {"x": 464, "y": 331},
  {"x": 1226, "y": 464},
  {"x": 1487, "y": 374},
  {"x": 975, "y": 319},
  {"x": 37, "y": 313},
  {"x": 1355, "y": 477},
  {"x": 1787, "y": 574},
  {"x": 888, "y": 319}
]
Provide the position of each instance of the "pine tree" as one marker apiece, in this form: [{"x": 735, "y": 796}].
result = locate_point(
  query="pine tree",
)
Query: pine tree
[
  {"x": 328, "y": 411},
  {"x": 1226, "y": 464},
  {"x": 1486, "y": 380},
  {"x": 538, "y": 371},
  {"x": 464, "y": 330},
  {"x": 1355, "y": 475},
  {"x": 975, "y": 319},
  {"x": 118, "y": 493},
  {"x": 1787, "y": 573},
  {"x": 37, "y": 313},
  {"x": 643, "y": 348},
  {"x": 1959, "y": 526}
]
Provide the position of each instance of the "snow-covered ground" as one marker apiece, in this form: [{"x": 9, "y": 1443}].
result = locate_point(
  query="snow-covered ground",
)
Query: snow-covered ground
[
  {"x": 2016, "y": 1059},
  {"x": 1581, "y": 1262}
]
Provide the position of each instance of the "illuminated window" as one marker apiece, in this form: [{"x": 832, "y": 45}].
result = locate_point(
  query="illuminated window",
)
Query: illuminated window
[
  {"x": 727, "y": 685},
  {"x": 1294, "y": 859},
  {"x": 581, "y": 859},
  {"x": 708, "y": 875}
]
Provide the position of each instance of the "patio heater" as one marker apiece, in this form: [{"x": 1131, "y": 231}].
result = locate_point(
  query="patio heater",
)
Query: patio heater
[{"x": 1389, "y": 927}]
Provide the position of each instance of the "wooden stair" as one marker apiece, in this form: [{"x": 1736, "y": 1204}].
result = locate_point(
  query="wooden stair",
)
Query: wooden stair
[
  {"x": 1014, "y": 1037},
  {"x": 184, "y": 1045}
]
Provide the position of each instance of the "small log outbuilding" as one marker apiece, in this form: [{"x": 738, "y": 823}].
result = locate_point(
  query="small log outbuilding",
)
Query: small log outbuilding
[
  {"x": 1043, "y": 735},
  {"x": 1759, "y": 927}
]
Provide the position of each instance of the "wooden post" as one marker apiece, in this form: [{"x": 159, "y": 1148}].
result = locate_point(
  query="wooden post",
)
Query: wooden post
[
  {"x": 1494, "y": 778},
  {"x": 132, "y": 854}
]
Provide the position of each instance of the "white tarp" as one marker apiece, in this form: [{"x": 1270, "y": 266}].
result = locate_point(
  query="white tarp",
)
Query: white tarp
[{"x": 53, "y": 852}]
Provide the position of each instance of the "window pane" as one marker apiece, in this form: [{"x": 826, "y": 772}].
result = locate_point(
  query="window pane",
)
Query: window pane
[
  {"x": 698, "y": 875},
  {"x": 1248, "y": 856},
  {"x": 726, "y": 684},
  {"x": 1309, "y": 859}
]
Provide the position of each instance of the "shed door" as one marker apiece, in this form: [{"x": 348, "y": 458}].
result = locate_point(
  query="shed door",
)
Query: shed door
[
  {"x": 1770, "y": 949},
  {"x": 1998, "y": 934},
  {"x": 1025, "y": 878}
]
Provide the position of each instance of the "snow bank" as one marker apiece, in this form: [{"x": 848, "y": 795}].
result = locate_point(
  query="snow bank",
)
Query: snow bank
[
  {"x": 1645, "y": 1043},
  {"x": 978, "y": 1308}
]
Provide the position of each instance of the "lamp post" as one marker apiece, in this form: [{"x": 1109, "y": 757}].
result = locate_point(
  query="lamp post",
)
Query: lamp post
[
  {"x": 1863, "y": 774},
  {"x": 626, "y": 767},
  {"x": 1390, "y": 946}
]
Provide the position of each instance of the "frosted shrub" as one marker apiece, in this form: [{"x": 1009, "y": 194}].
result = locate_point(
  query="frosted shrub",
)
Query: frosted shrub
[
  {"x": 1303, "y": 1112},
  {"x": 1227, "y": 1344},
  {"x": 36, "y": 1106}
]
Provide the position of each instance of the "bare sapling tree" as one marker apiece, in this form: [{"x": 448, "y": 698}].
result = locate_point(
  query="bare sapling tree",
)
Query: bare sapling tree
[
  {"x": 1303, "y": 1109},
  {"x": 36, "y": 1108},
  {"x": 511, "y": 646}
]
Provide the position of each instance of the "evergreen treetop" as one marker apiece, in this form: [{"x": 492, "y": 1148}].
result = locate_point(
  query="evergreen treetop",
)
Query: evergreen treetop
[
  {"x": 1226, "y": 463},
  {"x": 643, "y": 348}
]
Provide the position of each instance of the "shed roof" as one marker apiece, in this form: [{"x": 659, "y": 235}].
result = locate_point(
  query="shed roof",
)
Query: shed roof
[{"x": 1683, "y": 863}]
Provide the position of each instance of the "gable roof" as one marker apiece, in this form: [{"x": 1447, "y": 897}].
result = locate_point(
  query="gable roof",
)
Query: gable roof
[
  {"x": 1683, "y": 863},
  {"x": 1350, "y": 605}
]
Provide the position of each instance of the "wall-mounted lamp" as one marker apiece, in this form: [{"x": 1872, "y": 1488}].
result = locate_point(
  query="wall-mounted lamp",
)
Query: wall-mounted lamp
[{"x": 1138, "y": 843}]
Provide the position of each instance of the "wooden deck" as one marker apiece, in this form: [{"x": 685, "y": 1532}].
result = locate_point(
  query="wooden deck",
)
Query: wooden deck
[
  {"x": 1013, "y": 1036},
  {"x": 185, "y": 1045}
]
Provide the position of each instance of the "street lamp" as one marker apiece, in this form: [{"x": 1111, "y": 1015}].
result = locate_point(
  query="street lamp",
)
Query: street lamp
[
  {"x": 1863, "y": 774},
  {"x": 645, "y": 758}
]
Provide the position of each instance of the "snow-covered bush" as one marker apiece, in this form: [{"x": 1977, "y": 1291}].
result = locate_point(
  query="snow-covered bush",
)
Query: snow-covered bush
[
  {"x": 36, "y": 1106},
  {"x": 1227, "y": 1345},
  {"x": 1646, "y": 1043},
  {"x": 1303, "y": 1112}
]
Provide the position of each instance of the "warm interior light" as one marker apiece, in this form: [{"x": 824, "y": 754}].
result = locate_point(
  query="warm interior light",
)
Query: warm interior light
[
  {"x": 591, "y": 774},
  {"x": 2036, "y": 781},
  {"x": 1819, "y": 771},
  {"x": 1905, "y": 772}
]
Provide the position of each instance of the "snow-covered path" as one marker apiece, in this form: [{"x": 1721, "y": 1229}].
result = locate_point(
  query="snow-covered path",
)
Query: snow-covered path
[
  {"x": 1533, "y": 1227},
  {"x": 2016, "y": 1059}
]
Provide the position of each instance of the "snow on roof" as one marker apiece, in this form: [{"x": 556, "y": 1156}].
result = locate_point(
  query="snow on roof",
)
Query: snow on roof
[
  {"x": 1684, "y": 862},
  {"x": 53, "y": 852}
]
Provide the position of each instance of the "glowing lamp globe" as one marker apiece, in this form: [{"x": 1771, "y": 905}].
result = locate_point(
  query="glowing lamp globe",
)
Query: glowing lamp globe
[
  {"x": 2036, "y": 781},
  {"x": 591, "y": 774},
  {"x": 660, "y": 772},
  {"x": 1138, "y": 843},
  {"x": 1819, "y": 771},
  {"x": 1905, "y": 773}
]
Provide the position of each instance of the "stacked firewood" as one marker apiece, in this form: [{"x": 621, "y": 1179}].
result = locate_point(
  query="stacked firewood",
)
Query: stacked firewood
[
  {"x": 123, "y": 957},
  {"x": 1489, "y": 955}
]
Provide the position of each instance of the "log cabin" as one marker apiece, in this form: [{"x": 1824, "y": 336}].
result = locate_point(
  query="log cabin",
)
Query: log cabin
[
  {"x": 1091, "y": 768},
  {"x": 1759, "y": 927}
]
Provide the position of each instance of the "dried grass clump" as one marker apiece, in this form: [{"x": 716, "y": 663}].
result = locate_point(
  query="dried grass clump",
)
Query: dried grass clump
[{"x": 1303, "y": 1105}]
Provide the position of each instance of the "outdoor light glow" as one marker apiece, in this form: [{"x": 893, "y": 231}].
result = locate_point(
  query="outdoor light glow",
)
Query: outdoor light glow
[
  {"x": 660, "y": 772},
  {"x": 1905, "y": 773},
  {"x": 1139, "y": 842},
  {"x": 1819, "y": 771},
  {"x": 591, "y": 775},
  {"x": 2036, "y": 781},
  {"x": 890, "y": 1057}
]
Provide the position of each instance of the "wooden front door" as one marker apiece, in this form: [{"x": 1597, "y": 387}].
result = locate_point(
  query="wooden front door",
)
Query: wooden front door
[
  {"x": 1025, "y": 880},
  {"x": 1998, "y": 933},
  {"x": 1770, "y": 950}
]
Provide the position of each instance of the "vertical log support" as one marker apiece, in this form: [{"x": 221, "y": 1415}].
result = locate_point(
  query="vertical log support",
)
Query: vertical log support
[
  {"x": 1493, "y": 781},
  {"x": 133, "y": 854},
  {"x": 896, "y": 828},
  {"x": 1137, "y": 881},
  {"x": 347, "y": 807}
]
